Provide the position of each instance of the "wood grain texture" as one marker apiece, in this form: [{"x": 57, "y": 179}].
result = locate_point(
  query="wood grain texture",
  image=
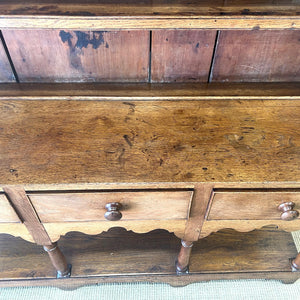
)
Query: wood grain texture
[
  {"x": 58, "y": 260},
  {"x": 154, "y": 91},
  {"x": 7, "y": 213},
  {"x": 201, "y": 197},
  {"x": 128, "y": 257},
  {"x": 79, "y": 56},
  {"x": 181, "y": 55},
  {"x": 257, "y": 56},
  {"x": 148, "y": 14},
  {"x": 139, "y": 205},
  {"x": 198, "y": 141},
  {"x": 250, "y": 205},
  {"x": 147, "y": 7},
  {"x": 26, "y": 212},
  {"x": 225, "y": 250},
  {"x": 247, "y": 225},
  {"x": 17, "y": 230},
  {"x": 6, "y": 74},
  {"x": 57, "y": 230}
]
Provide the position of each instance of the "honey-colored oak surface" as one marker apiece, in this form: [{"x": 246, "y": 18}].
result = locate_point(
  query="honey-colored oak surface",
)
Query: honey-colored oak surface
[
  {"x": 56, "y": 230},
  {"x": 81, "y": 56},
  {"x": 149, "y": 141},
  {"x": 148, "y": 14},
  {"x": 252, "y": 205},
  {"x": 155, "y": 205},
  {"x": 247, "y": 225},
  {"x": 7, "y": 213}
]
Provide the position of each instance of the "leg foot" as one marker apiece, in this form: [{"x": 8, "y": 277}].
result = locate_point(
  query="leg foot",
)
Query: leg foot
[
  {"x": 58, "y": 260},
  {"x": 182, "y": 263},
  {"x": 296, "y": 263}
]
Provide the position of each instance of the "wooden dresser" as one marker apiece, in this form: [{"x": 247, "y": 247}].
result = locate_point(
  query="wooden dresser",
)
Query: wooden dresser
[{"x": 147, "y": 115}]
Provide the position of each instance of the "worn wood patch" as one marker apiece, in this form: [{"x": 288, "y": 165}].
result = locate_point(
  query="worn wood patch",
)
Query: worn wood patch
[{"x": 79, "y": 56}]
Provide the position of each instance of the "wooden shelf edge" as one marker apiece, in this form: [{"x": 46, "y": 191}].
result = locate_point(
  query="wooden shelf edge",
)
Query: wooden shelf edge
[
  {"x": 142, "y": 91},
  {"x": 172, "y": 279},
  {"x": 236, "y": 22},
  {"x": 159, "y": 14}
]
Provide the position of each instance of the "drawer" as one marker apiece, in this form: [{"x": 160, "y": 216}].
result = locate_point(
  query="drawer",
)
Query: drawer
[
  {"x": 7, "y": 213},
  {"x": 252, "y": 205},
  {"x": 91, "y": 206}
]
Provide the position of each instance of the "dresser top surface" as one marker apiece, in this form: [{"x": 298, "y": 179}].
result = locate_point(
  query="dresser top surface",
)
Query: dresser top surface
[{"x": 135, "y": 139}]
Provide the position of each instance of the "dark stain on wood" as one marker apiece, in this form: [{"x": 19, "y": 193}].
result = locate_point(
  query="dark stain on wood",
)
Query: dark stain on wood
[
  {"x": 126, "y": 138},
  {"x": 65, "y": 37},
  {"x": 75, "y": 60},
  {"x": 49, "y": 9},
  {"x": 14, "y": 172},
  {"x": 84, "y": 39},
  {"x": 131, "y": 107},
  {"x": 65, "y": 55},
  {"x": 245, "y": 11}
]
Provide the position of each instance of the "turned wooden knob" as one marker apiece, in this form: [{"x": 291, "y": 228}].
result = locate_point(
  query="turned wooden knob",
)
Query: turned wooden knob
[
  {"x": 288, "y": 213},
  {"x": 113, "y": 213}
]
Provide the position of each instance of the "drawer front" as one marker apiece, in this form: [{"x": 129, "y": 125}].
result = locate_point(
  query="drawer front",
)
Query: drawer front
[
  {"x": 90, "y": 206},
  {"x": 253, "y": 205},
  {"x": 7, "y": 213}
]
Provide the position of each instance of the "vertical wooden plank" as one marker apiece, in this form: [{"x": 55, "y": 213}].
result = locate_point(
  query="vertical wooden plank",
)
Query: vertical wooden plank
[
  {"x": 181, "y": 55},
  {"x": 63, "y": 56},
  {"x": 202, "y": 195},
  {"x": 6, "y": 74},
  {"x": 257, "y": 56}
]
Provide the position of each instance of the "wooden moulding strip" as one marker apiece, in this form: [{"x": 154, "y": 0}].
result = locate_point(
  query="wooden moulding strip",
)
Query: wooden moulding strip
[
  {"x": 27, "y": 214},
  {"x": 149, "y": 23},
  {"x": 142, "y": 91}
]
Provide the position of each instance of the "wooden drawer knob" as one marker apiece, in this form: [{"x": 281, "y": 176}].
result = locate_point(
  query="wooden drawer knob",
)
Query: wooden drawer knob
[
  {"x": 288, "y": 213},
  {"x": 113, "y": 213}
]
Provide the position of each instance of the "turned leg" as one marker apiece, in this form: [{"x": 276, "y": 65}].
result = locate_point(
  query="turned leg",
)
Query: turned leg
[
  {"x": 182, "y": 263},
  {"x": 296, "y": 263},
  {"x": 58, "y": 261}
]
